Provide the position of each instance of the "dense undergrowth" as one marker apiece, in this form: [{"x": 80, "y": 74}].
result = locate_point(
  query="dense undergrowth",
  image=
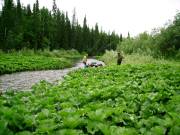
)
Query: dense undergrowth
[
  {"x": 29, "y": 60},
  {"x": 116, "y": 100},
  {"x": 110, "y": 58}
]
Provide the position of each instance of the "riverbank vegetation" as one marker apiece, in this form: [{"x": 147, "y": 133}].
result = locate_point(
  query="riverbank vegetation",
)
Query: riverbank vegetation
[
  {"x": 26, "y": 60},
  {"x": 161, "y": 46},
  {"x": 126, "y": 99},
  {"x": 110, "y": 58},
  {"x": 162, "y": 42}
]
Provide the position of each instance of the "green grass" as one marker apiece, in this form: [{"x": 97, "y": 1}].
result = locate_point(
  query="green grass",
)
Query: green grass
[
  {"x": 115, "y": 100},
  {"x": 42, "y": 60}
]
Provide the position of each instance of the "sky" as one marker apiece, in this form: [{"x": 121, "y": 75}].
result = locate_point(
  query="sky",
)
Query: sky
[{"x": 121, "y": 16}]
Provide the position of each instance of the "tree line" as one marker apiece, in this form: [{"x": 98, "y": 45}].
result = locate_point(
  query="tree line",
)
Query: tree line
[
  {"x": 163, "y": 41},
  {"x": 21, "y": 27}
]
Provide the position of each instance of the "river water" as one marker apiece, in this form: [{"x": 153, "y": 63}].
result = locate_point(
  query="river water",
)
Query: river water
[{"x": 25, "y": 80}]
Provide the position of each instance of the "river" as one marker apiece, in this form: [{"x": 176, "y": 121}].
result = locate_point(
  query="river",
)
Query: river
[{"x": 23, "y": 81}]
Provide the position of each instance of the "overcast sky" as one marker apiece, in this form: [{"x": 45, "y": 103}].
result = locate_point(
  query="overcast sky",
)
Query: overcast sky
[{"x": 135, "y": 16}]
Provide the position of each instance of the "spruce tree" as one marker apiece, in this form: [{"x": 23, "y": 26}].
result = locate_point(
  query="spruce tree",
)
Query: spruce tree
[
  {"x": 84, "y": 44},
  {"x": 7, "y": 22},
  {"x": 74, "y": 20},
  {"x": 73, "y": 30},
  {"x": 45, "y": 27},
  {"x": 36, "y": 26},
  {"x": 67, "y": 33},
  {"x": 19, "y": 10},
  {"x": 96, "y": 34},
  {"x": 54, "y": 8},
  {"x": 18, "y": 30},
  {"x": 78, "y": 39},
  {"x": 29, "y": 13}
]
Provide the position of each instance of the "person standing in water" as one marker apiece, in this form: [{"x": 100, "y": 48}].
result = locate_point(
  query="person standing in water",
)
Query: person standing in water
[
  {"x": 85, "y": 61},
  {"x": 119, "y": 59}
]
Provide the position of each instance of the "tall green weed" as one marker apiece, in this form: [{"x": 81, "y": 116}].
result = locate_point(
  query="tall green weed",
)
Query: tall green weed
[{"x": 110, "y": 58}]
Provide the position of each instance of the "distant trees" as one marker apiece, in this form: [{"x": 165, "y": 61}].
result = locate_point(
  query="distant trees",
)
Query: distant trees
[
  {"x": 165, "y": 42},
  {"x": 7, "y": 23},
  {"x": 168, "y": 40},
  {"x": 142, "y": 44},
  {"x": 21, "y": 27}
]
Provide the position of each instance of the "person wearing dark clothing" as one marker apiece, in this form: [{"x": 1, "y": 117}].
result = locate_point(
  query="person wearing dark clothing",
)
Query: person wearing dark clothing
[
  {"x": 119, "y": 59},
  {"x": 85, "y": 61}
]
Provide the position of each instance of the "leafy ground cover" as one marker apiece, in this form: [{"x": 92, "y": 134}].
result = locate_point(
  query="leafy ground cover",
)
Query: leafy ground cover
[
  {"x": 116, "y": 100},
  {"x": 28, "y": 60}
]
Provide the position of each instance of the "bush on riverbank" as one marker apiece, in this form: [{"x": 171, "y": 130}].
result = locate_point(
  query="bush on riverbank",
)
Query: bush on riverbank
[
  {"x": 26, "y": 60},
  {"x": 110, "y": 58}
]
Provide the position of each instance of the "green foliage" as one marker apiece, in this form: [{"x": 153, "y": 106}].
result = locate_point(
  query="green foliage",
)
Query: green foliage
[
  {"x": 110, "y": 58},
  {"x": 164, "y": 42},
  {"x": 169, "y": 38},
  {"x": 127, "y": 99},
  {"x": 29, "y": 60},
  {"x": 142, "y": 44}
]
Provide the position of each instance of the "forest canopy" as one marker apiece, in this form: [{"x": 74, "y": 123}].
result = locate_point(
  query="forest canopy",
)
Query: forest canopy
[{"x": 23, "y": 27}]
